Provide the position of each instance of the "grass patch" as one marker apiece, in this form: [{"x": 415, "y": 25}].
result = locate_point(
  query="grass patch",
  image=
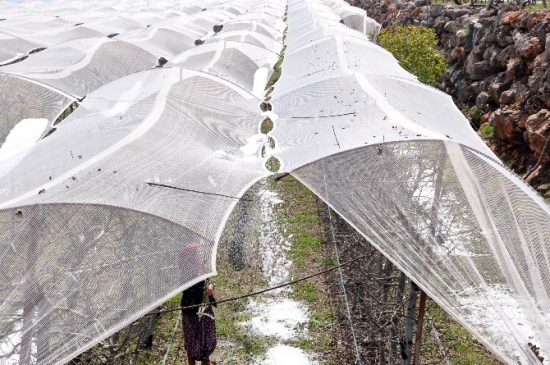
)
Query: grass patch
[
  {"x": 306, "y": 291},
  {"x": 461, "y": 347},
  {"x": 236, "y": 342},
  {"x": 296, "y": 220},
  {"x": 276, "y": 74},
  {"x": 508, "y": 161},
  {"x": 245, "y": 344},
  {"x": 323, "y": 318},
  {"x": 305, "y": 343},
  {"x": 330, "y": 262},
  {"x": 537, "y": 7},
  {"x": 266, "y": 126},
  {"x": 487, "y": 131},
  {"x": 474, "y": 114},
  {"x": 273, "y": 164},
  {"x": 299, "y": 215},
  {"x": 277, "y": 70}
]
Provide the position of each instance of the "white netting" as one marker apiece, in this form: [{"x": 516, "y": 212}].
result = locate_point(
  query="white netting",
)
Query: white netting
[
  {"x": 219, "y": 57},
  {"x": 153, "y": 158},
  {"x": 13, "y": 48},
  {"x": 414, "y": 202},
  {"x": 398, "y": 161},
  {"x": 21, "y": 99},
  {"x": 160, "y": 42},
  {"x": 83, "y": 65},
  {"x": 96, "y": 211},
  {"x": 58, "y": 36}
]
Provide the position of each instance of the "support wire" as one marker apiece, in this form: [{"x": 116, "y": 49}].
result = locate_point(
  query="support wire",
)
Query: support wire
[
  {"x": 340, "y": 273},
  {"x": 172, "y": 339},
  {"x": 437, "y": 339}
]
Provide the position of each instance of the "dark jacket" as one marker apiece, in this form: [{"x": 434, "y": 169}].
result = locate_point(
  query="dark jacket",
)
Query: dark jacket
[{"x": 192, "y": 296}]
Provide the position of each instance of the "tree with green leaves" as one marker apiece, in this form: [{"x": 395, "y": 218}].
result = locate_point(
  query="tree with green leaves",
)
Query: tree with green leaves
[{"x": 416, "y": 50}]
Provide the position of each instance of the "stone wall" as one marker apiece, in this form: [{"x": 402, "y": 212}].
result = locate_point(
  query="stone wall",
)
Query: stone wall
[{"x": 498, "y": 67}]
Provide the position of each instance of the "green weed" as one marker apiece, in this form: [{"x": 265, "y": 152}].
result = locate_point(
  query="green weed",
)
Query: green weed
[
  {"x": 487, "y": 131},
  {"x": 474, "y": 113}
]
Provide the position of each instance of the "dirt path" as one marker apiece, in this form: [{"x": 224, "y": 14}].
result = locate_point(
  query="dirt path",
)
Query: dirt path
[
  {"x": 276, "y": 314},
  {"x": 274, "y": 324}
]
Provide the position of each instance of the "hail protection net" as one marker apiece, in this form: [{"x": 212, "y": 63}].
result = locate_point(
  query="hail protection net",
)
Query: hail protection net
[
  {"x": 130, "y": 129},
  {"x": 398, "y": 161},
  {"x": 124, "y": 147}
]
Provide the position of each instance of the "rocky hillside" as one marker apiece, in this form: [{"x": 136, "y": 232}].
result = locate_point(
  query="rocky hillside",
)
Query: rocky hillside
[{"x": 498, "y": 73}]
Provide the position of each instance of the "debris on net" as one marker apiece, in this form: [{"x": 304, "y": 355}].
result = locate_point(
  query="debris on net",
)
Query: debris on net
[{"x": 93, "y": 218}]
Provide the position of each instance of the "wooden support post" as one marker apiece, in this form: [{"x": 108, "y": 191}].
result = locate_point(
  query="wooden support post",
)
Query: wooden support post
[
  {"x": 385, "y": 356},
  {"x": 398, "y": 298},
  {"x": 419, "y": 327},
  {"x": 410, "y": 319},
  {"x": 381, "y": 344}
]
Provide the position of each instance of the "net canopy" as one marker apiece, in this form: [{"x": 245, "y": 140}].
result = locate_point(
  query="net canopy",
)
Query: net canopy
[{"x": 131, "y": 129}]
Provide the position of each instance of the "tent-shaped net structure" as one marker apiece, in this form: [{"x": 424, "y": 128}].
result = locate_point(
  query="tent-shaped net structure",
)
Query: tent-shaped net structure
[{"x": 165, "y": 136}]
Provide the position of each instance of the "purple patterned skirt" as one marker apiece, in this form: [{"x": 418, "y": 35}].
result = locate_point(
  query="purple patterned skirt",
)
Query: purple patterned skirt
[{"x": 199, "y": 333}]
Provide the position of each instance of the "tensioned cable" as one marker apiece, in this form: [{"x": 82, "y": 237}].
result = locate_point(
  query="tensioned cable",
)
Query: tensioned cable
[
  {"x": 171, "y": 340},
  {"x": 192, "y": 190},
  {"x": 268, "y": 289},
  {"x": 340, "y": 273},
  {"x": 438, "y": 340},
  {"x": 325, "y": 116}
]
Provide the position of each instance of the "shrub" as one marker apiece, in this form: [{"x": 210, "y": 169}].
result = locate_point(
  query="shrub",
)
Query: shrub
[
  {"x": 487, "y": 131},
  {"x": 474, "y": 114},
  {"x": 416, "y": 50}
]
